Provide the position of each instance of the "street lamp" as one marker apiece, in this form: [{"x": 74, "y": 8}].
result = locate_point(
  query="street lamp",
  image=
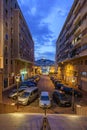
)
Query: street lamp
[
  {"x": 73, "y": 82},
  {"x": 45, "y": 107},
  {"x": 17, "y": 78}
]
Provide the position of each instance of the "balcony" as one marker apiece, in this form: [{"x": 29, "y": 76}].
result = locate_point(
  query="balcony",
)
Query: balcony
[
  {"x": 78, "y": 6},
  {"x": 77, "y": 19},
  {"x": 84, "y": 25},
  {"x": 83, "y": 53},
  {"x": 77, "y": 31}
]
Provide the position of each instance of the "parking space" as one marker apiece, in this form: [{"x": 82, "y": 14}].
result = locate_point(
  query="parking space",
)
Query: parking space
[{"x": 44, "y": 84}]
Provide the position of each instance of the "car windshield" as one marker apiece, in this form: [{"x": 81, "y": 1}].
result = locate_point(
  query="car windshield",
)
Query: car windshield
[
  {"x": 14, "y": 90},
  {"x": 25, "y": 94},
  {"x": 63, "y": 96},
  {"x": 44, "y": 98},
  {"x": 24, "y": 84}
]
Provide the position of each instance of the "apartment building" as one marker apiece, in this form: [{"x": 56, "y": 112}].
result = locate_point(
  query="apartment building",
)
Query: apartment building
[
  {"x": 16, "y": 44},
  {"x": 71, "y": 46}
]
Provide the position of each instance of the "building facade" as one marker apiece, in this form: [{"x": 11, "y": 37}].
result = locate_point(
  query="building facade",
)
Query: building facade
[
  {"x": 16, "y": 44},
  {"x": 71, "y": 46}
]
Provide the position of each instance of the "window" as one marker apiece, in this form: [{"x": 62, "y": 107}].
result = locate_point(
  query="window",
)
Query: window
[
  {"x": 11, "y": 62},
  {"x": 6, "y": 61},
  {"x": 6, "y": 24},
  {"x": 6, "y": 11},
  {"x": 11, "y": 9},
  {"x": 15, "y": 5},
  {"x": 6, "y": 36},
  {"x": 85, "y": 62},
  {"x": 11, "y": 19},
  {"x": 84, "y": 74},
  {"x": 6, "y": 49},
  {"x": 11, "y": 40},
  {"x": 81, "y": 62},
  {"x": 11, "y": 30},
  {"x": 6, "y": 1}
]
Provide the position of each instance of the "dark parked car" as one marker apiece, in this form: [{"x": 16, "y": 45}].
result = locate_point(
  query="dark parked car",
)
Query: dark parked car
[
  {"x": 61, "y": 99},
  {"x": 77, "y": 93},
  {"x": 57, "y": 82},
  {"x": 69, "y": 90},
  {"x": 28, "y": 83},
  {"x": 58, "y": 85}
]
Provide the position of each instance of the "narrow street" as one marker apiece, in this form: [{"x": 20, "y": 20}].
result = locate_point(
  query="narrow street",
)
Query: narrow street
[{"x": 44, "y": 84}]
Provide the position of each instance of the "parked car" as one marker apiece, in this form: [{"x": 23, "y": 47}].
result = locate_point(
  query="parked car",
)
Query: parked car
[
  {"x": 35, "y": 79},
  {"x": 77, "y": 93},
  {"x": 44, "y": 100},
  {"x": 13, "y": 94},
  {"x": 28, "y": 96},
  {"x": 57, "y": 82},
  {"x": 58, "y": 85},
  {"x": 69, "y": 90},
  {"x": 61, "y": 99},
  {"x": 24, "y": 87},
  {"x": 28, "y": 83}
]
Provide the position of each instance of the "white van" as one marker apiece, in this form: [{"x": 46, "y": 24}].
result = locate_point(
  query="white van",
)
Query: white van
[
  {"x": 44, "y": 100},
  {"x": 28, "y": 96}
]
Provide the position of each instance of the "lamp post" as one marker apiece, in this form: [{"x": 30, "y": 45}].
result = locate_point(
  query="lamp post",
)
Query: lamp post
[
  {"x": 73, "y": 82},
  {"x": 45, "y": 107},
  {"x": 17, "y": 78}
]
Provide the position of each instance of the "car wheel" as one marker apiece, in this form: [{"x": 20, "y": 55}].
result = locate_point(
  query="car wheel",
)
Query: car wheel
[
  {"x": 14, "y": 98},
  {"x": 59, "y": 104},
  {"x": 28, "y": 102}
]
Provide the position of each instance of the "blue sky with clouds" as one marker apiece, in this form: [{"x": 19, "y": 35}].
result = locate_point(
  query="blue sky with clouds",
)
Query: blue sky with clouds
[{"x": 45, "y": 19}]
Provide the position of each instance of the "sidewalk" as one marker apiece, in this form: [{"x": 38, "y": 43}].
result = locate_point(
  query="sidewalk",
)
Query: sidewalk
[{"x": 34, "y": 122}]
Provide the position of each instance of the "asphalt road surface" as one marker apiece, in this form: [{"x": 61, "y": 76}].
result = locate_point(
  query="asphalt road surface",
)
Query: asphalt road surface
[{"x": 45, "y": 84}]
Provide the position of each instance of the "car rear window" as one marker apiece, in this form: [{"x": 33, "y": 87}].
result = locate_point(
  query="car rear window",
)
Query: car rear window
[{"x": 45, "y": 98}]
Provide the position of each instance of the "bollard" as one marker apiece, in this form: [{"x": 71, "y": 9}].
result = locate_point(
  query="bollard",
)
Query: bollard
[{"x": 45, "y": 124}]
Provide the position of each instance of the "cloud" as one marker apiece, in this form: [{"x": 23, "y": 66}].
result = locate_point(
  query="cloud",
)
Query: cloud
[
  {"x": 45, "y": 19},
  {"x": 33, "y": 11}
]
